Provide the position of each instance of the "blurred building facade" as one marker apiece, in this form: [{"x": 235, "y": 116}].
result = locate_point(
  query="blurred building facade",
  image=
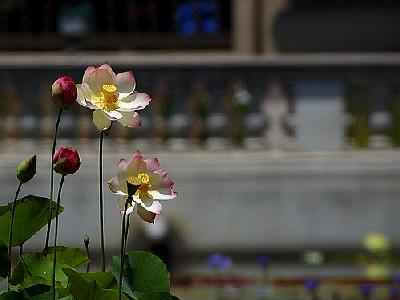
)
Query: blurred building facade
[
  {"x": 253, "y": 90},
  {"x": 251, "y": 26}
]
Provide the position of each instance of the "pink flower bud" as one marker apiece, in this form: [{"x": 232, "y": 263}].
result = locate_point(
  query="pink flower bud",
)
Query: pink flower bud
[
  {"x": 27, "y": 169},
  {"x": 63, "y": 92},
  {"x": 66, "y": 161}
]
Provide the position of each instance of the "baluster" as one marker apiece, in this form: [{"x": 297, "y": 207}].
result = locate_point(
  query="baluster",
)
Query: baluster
[
  {"x": 161, "y": 112},
  {"x": 275, "y": 109},
  {"x": 46, "y": 113},
  {"x": 199, "y": 105},
  {"x": 13, "y": 112},
  {"x": 394, "y": 131}
]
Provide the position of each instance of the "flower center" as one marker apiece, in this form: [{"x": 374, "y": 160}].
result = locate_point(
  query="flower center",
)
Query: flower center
[
  {"x": 108, "y": 99},
  {"x": 143, "y": 180}
]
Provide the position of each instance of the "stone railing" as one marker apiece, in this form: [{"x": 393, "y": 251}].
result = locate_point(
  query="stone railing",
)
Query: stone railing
[{"x": 304, "y": 102}]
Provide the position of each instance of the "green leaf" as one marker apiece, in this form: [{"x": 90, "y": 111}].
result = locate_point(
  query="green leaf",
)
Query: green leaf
[
  {"x": 69, "y": 257},
  {"x": 32, "y": 213},
  {"x": 4, "y": 260},
  {"x": 11, "y": 296},
  {"x": 36, "y": 268},
  {"x": 87, "y": 287},
  {"x": 143, "y": 273},
  {"x": 154, "y": 296}
]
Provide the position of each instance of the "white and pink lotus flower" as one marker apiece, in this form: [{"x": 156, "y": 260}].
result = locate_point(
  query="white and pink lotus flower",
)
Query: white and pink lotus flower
[
  {"x": 112, "y": 96},
  {"x": 153, "y": 181}
]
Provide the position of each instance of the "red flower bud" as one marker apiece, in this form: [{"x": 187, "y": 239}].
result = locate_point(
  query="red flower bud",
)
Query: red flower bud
[
  {"x": 27, "y": 169},
  {"x": 66, "y": 161},
  {"x": 63, "y": 92}
]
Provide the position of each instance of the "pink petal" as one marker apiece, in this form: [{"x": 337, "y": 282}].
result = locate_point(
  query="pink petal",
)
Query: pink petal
[
  {"x": 152, "y": 164},
  {"x": 136, "y": 165},
  {"x": 130, "y": 119},
  {"x": 88, "y": 70},
  {"x": 109, "y": 69},
  {"x": 97, "y": 78},
  {"x": 125, "y": 82},
  {"x": 122, "y": 167},
  {"x": 134, "y": 101}
]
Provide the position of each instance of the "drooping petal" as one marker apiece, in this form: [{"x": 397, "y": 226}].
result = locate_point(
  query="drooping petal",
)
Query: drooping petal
[
  {"x": 152, "y": 164},
  {"x": 125, "y": 82},
  {"x": 109, "y": 69},
  {"x": 115, "y": 186},
  {"x": 159, "y": 196},
  {"x": 97, "y": 78},
  {"x": 100, "y": 120},
  {"x": 130, "y": 119},
  {"x": 155, "y": 207},
  {"x": 146, "y": 215},
  {"x": 134, "y": 101},
  {"x": 121, "y": 205},
  {"x": 146, "y": 200}
]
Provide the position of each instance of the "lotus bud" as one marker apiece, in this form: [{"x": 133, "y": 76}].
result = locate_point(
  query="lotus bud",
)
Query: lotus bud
[
  {"x": 86, "y": 240},
  {"x": 27, "y": 169},
  {"x": 66, "y": 161},
  {"x": 63, "y": 92}
]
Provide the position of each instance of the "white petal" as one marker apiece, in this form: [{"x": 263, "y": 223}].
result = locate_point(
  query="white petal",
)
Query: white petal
[
  {"x": 130, "y": 119},
  {"x": 113, "y": 114},
  {"x": 100, "y": 120},
  {"x": 157, "y": 195},
  {"x": 125, "y": 82},
  {"x": 80, "y": 98},
  {"x": 84, "y": 95},
  {"x": 134, "y": 101},
  {"x": 97, "y": 78}
]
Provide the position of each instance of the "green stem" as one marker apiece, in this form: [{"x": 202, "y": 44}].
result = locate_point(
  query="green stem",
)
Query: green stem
[
  {"x": 102, "y": 257},
  {"x": 88, "y": 255},
  {"x": 126, "y": 233},
  {"x": 53, "y": 279},
  {"x": 21, "y": 250},
  {"x": 123, "y": 245},
  {"x": 53, "y": 150},
  {"x": 12, "y": 224}
]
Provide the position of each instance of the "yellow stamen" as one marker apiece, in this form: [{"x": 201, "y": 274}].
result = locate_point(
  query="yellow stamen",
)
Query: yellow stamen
[
  {"x": 108, "y": 99},
  {"x": 143, "y": 180}
]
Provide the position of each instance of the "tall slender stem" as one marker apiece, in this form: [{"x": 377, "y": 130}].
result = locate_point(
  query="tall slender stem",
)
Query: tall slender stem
[
  {"x": 102, "y": 257},
  {"x": 126, "y": 233},
  {"x": 53, "y": 150},
  {"x": 12, "y": 223},
  {"x": 53, "y": 281},
  {"x": 122, "y": 253}
]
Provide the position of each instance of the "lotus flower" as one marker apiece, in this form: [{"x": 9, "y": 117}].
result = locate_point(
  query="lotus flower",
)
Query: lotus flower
[
  {"x": 112, "y": 96},
  {"x": 153, "y": 184}
]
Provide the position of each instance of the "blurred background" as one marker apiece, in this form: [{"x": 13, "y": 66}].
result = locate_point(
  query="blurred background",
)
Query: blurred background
[{"x": 279, "y": 121}]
